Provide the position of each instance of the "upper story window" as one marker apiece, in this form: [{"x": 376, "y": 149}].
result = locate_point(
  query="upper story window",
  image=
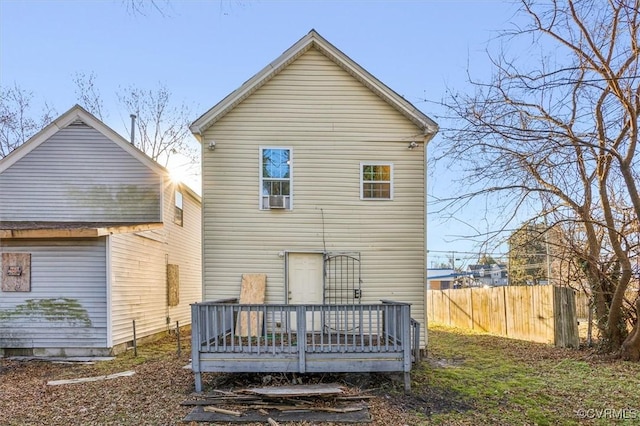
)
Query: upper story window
[
  {"x": 275, "y": 178},
  {"x": 178, "y": 212},
  {"x": 376, "y": 181}
]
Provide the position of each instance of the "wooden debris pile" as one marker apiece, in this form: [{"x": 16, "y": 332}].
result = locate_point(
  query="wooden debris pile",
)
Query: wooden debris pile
[{"x": 317, "y": 403}]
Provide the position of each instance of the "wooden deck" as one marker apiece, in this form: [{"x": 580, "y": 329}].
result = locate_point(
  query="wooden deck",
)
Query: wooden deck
[{"x": 260, "y": 338}]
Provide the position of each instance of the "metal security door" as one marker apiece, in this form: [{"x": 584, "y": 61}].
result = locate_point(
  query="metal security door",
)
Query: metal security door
[{"x": 342, "y": 287}]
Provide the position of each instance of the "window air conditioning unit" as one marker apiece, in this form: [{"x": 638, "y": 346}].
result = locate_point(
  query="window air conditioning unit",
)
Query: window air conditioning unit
[{"x": 277, "y": 202}]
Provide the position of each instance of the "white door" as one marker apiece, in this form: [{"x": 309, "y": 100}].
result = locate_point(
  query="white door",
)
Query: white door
[{"x": 305, "y": 282}]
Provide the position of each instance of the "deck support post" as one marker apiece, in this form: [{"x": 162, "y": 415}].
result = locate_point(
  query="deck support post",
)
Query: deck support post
[
  {"x": 196, "y": 341},
  {"x": 405, "y": 329},
  {"x": 301, "y": 330},
  {"x": 198, "y": 380}
]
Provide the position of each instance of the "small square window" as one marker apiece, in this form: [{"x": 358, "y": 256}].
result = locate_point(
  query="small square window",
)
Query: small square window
[{"x": 376, "y": 181}]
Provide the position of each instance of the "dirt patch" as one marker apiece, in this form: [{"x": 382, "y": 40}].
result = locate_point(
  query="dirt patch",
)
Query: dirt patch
[
  {"x": 433, "y": 400},
  {"x": 445, "y": 362}
]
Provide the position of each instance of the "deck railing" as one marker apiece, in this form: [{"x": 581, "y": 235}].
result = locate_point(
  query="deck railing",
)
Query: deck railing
[{"x": 232, "y": 337}]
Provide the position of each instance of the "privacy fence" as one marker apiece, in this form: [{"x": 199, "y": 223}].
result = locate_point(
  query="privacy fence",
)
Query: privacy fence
[
  {"x": 544, "y": 314},
  {"x": 584, "y": 301}
]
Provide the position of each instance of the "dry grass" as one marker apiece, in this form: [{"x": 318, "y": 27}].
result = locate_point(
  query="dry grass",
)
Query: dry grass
[
  {"x": 468, "y": 379},
  {"x": 150, "y": 397}
]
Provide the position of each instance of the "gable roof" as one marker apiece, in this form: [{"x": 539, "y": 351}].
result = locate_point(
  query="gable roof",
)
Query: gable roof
[
  {"x": 77, "y": 113},
  {"x": 313, "y": 39},
  {"x": 73, "y": 115}
]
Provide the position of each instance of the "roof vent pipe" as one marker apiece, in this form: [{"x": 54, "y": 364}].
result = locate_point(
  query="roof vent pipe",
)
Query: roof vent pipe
[{"x": 133, "y": 127}]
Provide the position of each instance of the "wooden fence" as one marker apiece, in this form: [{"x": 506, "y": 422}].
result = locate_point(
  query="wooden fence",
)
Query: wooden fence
[
  {"x": 583, "y": 301},
  {"x": 544, "y": 314}
]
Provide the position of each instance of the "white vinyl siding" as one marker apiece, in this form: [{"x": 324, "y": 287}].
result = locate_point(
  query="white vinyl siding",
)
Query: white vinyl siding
[
  {"x": 139, "y": 276},
  {"x": 79, "y": 175},
  {"x": 332, "y": 123},
  {"x": 65, "y": 311}
]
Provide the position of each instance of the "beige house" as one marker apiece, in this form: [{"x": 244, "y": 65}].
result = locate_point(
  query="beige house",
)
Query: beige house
[
  {"x": 93, "y": 236},
  {"x": 314, "y": 174}
]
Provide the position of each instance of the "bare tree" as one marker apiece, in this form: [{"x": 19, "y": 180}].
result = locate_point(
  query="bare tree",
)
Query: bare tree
[
  {"x": 162, "y": 7},
  {"x": 141, "y": 7},
  {"x": 88, "y": 94},
  {"x": 562, "y": 136},
  {"x": 162, "y": 127},
  {"x": 18, "y": 121}
]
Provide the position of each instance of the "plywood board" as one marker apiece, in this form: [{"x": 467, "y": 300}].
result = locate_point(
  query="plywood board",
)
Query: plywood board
[
  {"x": 16, "y": 272},
  {"x": 252, "y": 291},
  {"x": 253, "y": 288},
  {"x": 173, "y": 285}
]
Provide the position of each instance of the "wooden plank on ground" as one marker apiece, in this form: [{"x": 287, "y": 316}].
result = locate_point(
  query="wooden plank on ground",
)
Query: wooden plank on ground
[
  {"x": 251, "y": 416},
  {"x": 297, "y": 390},
  {"x": 90, "y": 379},
  {"x": 252, "y": 291},
  {"x": 210, "y": 409}
]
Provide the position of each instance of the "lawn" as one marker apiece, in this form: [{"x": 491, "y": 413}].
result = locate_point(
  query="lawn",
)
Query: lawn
[
  {"x": 467, "y": 379},
  {"x": 496, "y": 380}
]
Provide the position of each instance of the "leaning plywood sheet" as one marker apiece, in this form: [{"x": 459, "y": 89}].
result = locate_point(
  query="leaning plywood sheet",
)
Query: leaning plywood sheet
[{"x": 253, "y": 290}]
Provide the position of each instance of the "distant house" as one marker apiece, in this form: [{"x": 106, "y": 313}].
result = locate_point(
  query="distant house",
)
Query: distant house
[
  {"x": 93, "y": 236},
  {"x": 445, "y": 278},
  {"x": 487, "y": 275},
  {"x": 440, "y": 278},
  {"x": 314, "y": 174}
]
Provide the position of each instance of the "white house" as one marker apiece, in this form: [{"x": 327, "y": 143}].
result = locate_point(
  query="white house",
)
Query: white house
[
  {"x": 314, "y": 173},
  {"x": 93, "y": 236}
]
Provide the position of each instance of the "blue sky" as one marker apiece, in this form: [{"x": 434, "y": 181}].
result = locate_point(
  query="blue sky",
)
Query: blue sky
[{"x": 204, "y": 49}]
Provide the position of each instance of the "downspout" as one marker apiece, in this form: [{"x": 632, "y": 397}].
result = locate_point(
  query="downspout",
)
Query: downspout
[
  {"x": 427, "y": 139},
  {"x": 109, "y": 291},
  {"x": 200, "y": 138}
]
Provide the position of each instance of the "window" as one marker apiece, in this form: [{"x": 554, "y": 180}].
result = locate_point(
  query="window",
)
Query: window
[
  {"x": 376, "y": 181},
  {"x": 177, "y": 216},
  {"x": 275, "y": 178}
]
